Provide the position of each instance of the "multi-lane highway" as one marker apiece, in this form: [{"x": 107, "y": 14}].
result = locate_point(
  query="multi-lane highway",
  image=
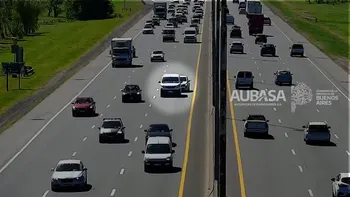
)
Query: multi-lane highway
[
  {"x": 284, "y": 165},
  {"x": 49, "y": 133}
]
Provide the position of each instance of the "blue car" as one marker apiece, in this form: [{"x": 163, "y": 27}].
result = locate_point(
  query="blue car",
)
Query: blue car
[{"x": 283, "y": 77}]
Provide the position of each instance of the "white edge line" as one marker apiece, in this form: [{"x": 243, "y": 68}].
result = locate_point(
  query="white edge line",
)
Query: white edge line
[
  {"x": 310, "y": 192},
  {"x": 315, "y": 65},
  {"x": 45, "y": 194},
  {"x": 348, "y": 153},
  {"x": 285, "y": 134},
  {"x": 129, "y": 153},
  {"x": 293, "y": 151},
  {"x": 112, "y": 192}
]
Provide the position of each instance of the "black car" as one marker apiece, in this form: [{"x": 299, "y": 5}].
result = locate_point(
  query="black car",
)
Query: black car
[
  {"x": 184, "y": 18},
  {"x": 236, "y": 32},
  {"x": 157, "y": 130},
  {"x": 268, "y": 49},
  {"x": 297, "y": 49},
  {"x": 236, "y": 47},
  {"x": 131, "y": 93},
  {"x": 173, "y": 20},
  {"x": 261, "y": 38},
  {"x": 267, "y": 21},
  {"x": 156, "y": 21},
  {"x": 283, "y": 77}
]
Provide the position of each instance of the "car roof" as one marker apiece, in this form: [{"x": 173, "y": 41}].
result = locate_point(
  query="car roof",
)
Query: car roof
[
  {"x": 158, "y": 140},
  {"x": 111, "y": 119},
  {"x": 283, "y": 72},
  {"x": 171, "y": 75},
  {"x": 345, "y": 175},
  {"x": 236, "y": 42},
  {"x": 156, "y": 51},
  {"x": 190, "y": 29},
  {"x": 69, "y": 161},
  {"x": 268, "y": 45},
  {"x": 317, "y": 123},
  {"x": 183, "y": 76},
  {"x": 158, "y": 124}
]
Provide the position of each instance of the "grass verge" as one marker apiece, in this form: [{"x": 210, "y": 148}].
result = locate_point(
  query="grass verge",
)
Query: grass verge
[
  {"x": 56, "y": 47},
  {"x": 331, "y": 31}
]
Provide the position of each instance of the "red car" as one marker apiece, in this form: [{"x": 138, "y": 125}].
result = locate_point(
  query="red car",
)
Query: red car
[{"x": 84, "y": 105}]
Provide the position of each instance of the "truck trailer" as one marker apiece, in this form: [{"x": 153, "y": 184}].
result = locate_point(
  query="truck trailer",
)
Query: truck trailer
[
  {"x": 160, "y": 9},
  {"x": 256, "y": 24},
  {"x": 122, "y": 52}
]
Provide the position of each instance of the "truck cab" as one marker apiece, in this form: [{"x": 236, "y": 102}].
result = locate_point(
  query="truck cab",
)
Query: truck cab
[
  {"x": 160, "y": 9},
  {"x": 122, "y": 51}
]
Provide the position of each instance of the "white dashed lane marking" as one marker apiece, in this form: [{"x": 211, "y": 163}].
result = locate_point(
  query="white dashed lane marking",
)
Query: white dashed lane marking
[
  {"x": 122, "y": 171},
  {"x": 336, "y": 136},
  {"x": 101, "y": 115},
  {"x": 301, "y": 169},
  {"x": 274, "y": 109},
  {"x": 136, "y": 139},
  {"x": 154, "y": 96},
  {"x": 310, "y": 193},
  {"x": 84, "y": 139},
  {"x": 129, "y": 153},
  {"x": 45, "y": 193},
  {"x": 285, "y": 134},
  {"x": 114, "y": 97},
  {"x": 73, "y": 155},
  {"x": 93, "y": 126},
  {"x": 348, "y": 153},
  {"x": 293, "y": 152},
  {"x": 150, "y": 105},
  {"x": 125, "y": 83},
  {"x": 108, "y": 106},
  {"x": 259, "y": 74},
  {"x": 129, "y": 77},
  {"x": 317, "y": 110},
  {"x": 141, "y": 126},
  {"x": 279, "y": 120},
  {"x": 145, "y": 114},
  {"x": 112, "y": 192}
]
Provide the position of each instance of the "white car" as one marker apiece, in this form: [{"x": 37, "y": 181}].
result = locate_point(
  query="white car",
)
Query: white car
[
  {"x": 148, "y": 29},
  {"x": 341, "y": 185},
  {"x": 317, "y": 132},
  {"x": 170, "y": 84},
  {"x": 157, "y": 56},
  {"x": 69, "y": 173},
  {"x": 185, "y": 83},
  {"x": 256, "y": 124},
  {"x": 170, "y": 25}
]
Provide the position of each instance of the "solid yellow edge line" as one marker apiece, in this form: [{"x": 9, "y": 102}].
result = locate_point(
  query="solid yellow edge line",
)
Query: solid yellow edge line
[
  {"x": 235, "y": 139},
  {"x": 188, "y": 138}
]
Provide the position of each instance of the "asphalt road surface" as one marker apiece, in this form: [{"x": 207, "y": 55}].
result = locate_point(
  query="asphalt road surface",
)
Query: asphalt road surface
[
  {"x": 284, "y": 165},
  {"x": 49, "y": 133}
]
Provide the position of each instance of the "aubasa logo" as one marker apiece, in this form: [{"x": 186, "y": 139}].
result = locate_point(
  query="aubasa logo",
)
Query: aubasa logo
[{"x": 258, "y": 96}]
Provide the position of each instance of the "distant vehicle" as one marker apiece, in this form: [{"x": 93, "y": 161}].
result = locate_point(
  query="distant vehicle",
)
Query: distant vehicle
[
  {"x": 196, "y": 27},
  {"x": 190, "y": 35},
  {"x": 84, "y": 105},
  {"x": 341, "y": 185},
  {"x": 111, "y": 129},
  {"x": 297, "y": 50},
  {"x": 184, "y": 18},
  {"x": 234, "y": 1},
  {"x": 267, "y": 20},
  {"x": 244, "y": 79},
  {"x": 157, "y": 56},
  {"x": 131, "y": 92},
  {"x": 169, "y": 34},
  {"x": 283, "y": 77},
  {"x": 260, "y": 38},
  {"x": 268, "y": 49},
  {"x": 172, "y": 20},
  {"x": 236, "y": 32},
  {"x": 176, "y": 1},
  {"x": 158, "y": 153},
  {"x": 148, "y": 29},
  {"x": 195, "y": 7},
  {"x": 201, "y": 2},
  {"x": 317, "y": 132},
  {"x": 69, "y": 174},
  {"x": 242, "y": 11},
  {"x": 197, "y": 16},
  {"x": 150, "y": 22},
  {"x": 187, "y": 2},
  {"x": 170, "y": 25},
  {"x": 185, "y": 83},
  {"x": 255, "y": 124},
  {"x": 179, "y": 17},
  {"x": 171, "y": 11},
  {"x": 236, "y": 47},
  {"x": 160, "y": 9},
  {"x": 199, "y": 13},
  {"x": 158, "y": 130},
  {"x": 256, "y": 24},
  {"x": 195, "y": 21},
  {"x": 241, "y": 4},
  {"x": 122, "y": 51},
  {"x": 230, "y": 19},
  {"x": 170, "y": 84},
  {"x": 156, "y": 20}
]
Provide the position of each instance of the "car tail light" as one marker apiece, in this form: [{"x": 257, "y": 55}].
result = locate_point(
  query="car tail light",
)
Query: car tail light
[{"x": 343, "y": 185}]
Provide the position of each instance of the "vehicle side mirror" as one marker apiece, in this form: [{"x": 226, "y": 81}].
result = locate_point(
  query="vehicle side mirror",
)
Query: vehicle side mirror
[
  {"x": 158, "y": 81},
  {"x": 252, "y": 76},
  {"x": 84, "y": 169},
  {"x": 290, "y": 47},
  {"x": 267, "y": 120},
  {"x": 244, "y": 119},
  {"x": 52, "y": 169},
  {"x": 333, "y": 179},
  {"x": 110, "y": 52},
  {"x": 143, "y": 152},
  {"x": 140, "y": 90},
  {"x": 189, "y": 80},
  {"x": 329, "y": 127},
  {"x": 171, "y": 129},
  {"x": 99, "y": 128},
  {"x": 304, "y": 127},
  {"x": 173, "y": 151}
]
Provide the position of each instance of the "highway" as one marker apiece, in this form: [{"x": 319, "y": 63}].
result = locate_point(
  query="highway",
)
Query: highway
[
  {"x": 284, "y": 165},
  {"x": 49, "y": 133}
]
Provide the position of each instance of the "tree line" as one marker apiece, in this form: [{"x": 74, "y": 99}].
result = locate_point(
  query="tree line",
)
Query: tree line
[{"x": 21, "y": 17}]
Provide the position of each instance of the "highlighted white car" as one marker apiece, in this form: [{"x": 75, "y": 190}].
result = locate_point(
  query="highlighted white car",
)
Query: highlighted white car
[
  {"x": 170, "y": 84},
  {"x": 68, "y": 174}
]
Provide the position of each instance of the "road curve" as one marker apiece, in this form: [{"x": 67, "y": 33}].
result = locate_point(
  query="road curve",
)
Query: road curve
[
  {"x": 284, "y": 165},
  {"x": 49, "y": 133}
]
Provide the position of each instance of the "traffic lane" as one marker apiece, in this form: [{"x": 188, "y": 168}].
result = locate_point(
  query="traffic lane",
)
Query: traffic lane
[
  {"x": 319, "y": 60},
  {"x": 14, "y": 137}
]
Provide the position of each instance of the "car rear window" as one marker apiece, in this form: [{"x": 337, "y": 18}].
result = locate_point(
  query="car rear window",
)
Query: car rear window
[
  {"x": 346, "y": 180},
  {"x": 298, "y": 46},
  {"x": 256, "y": 125},
  {"x": 248, "y": 75},
  {"x": 318, "y": 128}
]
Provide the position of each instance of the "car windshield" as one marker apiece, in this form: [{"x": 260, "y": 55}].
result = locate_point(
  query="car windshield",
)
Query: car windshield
[
  {"x": 298, "y": 46},
  {"x": 195, "y": 26},
  {"x": 284, "y": 73},
  {"x": 158, "y": 149},
  {"x": 170, "y": 80},
  {"x": 244, "y": 74},
  {"x": 158, "y": 52},
  {"x": 83, "y": 100},
  {"x": 236, "y": 44},
  {"x": 168, "y": 31},
  {"x": 111, "y": 124},
  {"x": 68, "y": 167},
  {"x": 318, "y": 128},
  {"x": 131, "y": 88},
  {"x": 182, "y": 79},
  {"x": 121, "y": 51},
  {"x": 256, "y": 125},
  {"x": 346, "y": 180},
  {"x": 159, "y": 9},
  {"x": 148, "y": 26},
  {"x": 190, "y": 32},
  {"x": 159, "y": 128}
]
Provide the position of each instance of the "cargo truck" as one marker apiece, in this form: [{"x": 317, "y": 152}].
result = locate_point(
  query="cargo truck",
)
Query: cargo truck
[
  {"x": 122, "y": 52},
  {"x": 160, "y": 9},
  {"x": 256, "y": 24}
]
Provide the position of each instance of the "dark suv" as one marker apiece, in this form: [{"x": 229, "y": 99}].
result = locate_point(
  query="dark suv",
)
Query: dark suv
[
  {"x": 268, "y": 49},
  {"x": 131, "y": 93}
]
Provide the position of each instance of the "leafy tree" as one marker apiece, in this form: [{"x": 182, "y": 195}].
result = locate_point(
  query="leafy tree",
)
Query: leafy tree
[
  {"x": 89, "y": 9},
  {"x": 54, "y": 6}
]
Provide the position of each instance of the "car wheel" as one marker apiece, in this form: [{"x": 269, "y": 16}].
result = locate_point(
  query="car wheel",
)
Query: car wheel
[
  {"x": 302, "y": 55},
  {"x": 146, "y": 168},
  {"x": 74, "y": 114},
  {"x": 246, "y": 134},
  {"x": 123, "y": 100},
  {"x": 151, "y": 60},
  {"x": 100, "y": 139}
]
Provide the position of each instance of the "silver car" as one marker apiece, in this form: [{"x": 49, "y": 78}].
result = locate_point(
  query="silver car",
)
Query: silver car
[
  {"x": 69, "y": 173},
  {"x": 148, "y": 29},
  {"x": 317, "y": 132},
  {"x": 157, "y": 56},
  {"x": 185, "y": 83},
  {"x": 297, "y": 50}
]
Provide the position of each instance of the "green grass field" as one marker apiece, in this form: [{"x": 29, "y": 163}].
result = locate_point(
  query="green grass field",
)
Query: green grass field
[
  {"x": 56, "y": 47},
  {"x": 330, "y": 33}
]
